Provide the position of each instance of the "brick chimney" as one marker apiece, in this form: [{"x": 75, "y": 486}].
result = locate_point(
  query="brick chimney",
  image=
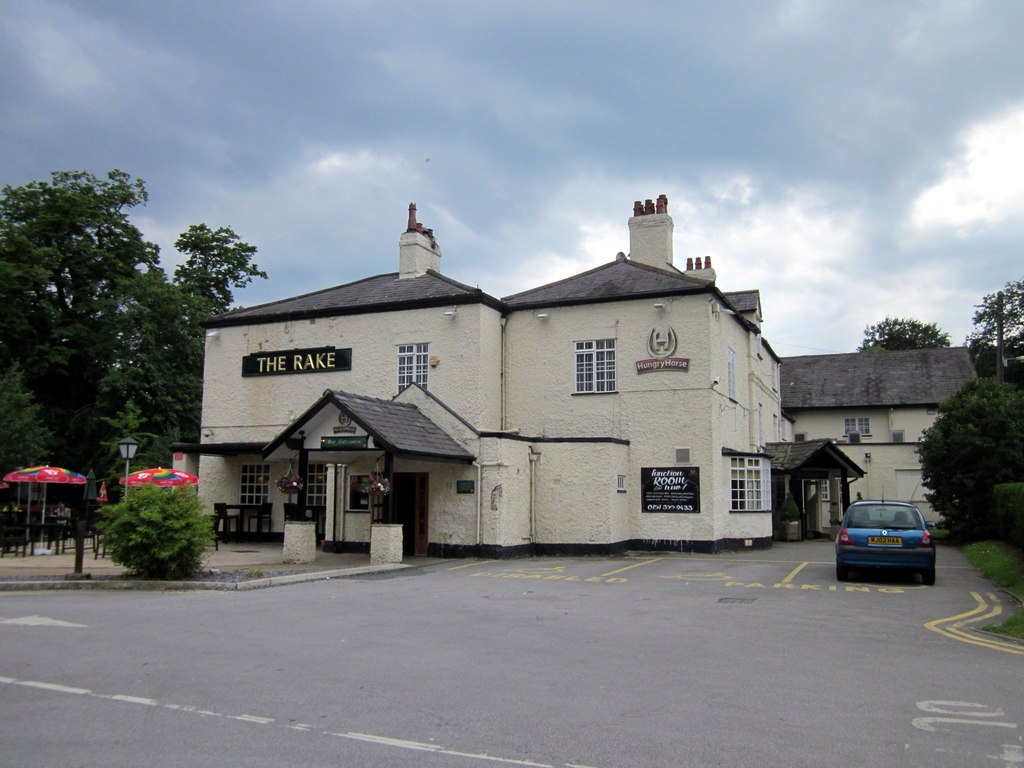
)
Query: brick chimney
[
  {"x": 700, "y": 269},
  {"x": 418, "y": 251},
  {"x": 650, "y": 233}
]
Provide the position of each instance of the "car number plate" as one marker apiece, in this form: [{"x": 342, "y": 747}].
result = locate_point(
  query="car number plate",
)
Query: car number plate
[{"x": 886, "y": 541}]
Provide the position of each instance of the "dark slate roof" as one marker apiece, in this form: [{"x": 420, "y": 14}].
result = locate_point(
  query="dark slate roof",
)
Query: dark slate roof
[
  {"x": 809, "y": 454},
  {"x": 876, "y": 378},
  {"x": 620, "y": 279},
  {"x": 400, "y": 428},
  {"x": 744, "y": 301},
  {"x": 381, "y": 293}
]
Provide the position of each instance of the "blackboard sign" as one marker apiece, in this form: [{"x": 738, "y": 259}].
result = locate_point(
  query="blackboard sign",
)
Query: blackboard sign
[{"x": 670, "y": 489}]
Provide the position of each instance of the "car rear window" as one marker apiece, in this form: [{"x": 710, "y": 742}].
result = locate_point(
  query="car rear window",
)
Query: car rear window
[{"x": 883, "y": 516}]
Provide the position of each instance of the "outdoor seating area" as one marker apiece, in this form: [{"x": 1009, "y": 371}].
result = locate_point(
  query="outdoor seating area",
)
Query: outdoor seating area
[
  {"x": 243, "y": 522},
  {"x": 55, "y": 537}
]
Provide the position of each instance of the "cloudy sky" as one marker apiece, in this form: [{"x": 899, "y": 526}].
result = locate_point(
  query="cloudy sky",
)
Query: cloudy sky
[{"x": 851, "y": 159}]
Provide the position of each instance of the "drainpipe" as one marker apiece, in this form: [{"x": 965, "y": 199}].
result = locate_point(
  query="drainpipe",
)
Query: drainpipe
[
  {"x": 479, "y": 500},
  {"x": 534, "y": 456}
]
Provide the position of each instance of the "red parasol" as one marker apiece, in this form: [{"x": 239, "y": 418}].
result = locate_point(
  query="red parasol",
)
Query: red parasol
[
  {"x": 45, "y": 475},
  {"x": 161, "y": 477}
]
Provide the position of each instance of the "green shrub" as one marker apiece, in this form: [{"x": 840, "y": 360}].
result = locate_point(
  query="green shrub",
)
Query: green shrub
[
  {"x": 1008, "y": 512},
  {"x": 158, "y": 533},
  {"x": 789, "y": 511}
]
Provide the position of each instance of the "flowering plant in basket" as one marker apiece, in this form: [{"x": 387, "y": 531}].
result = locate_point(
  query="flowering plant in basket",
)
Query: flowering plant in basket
[
  {"x": 289, "y": 483},
  {"x": 372, "y": 484}
]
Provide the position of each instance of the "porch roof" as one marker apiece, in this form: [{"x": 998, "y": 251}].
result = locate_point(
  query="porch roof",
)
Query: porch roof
[
  {"x": 788, "y": 458},
  {"x": 398, "y": 428}
]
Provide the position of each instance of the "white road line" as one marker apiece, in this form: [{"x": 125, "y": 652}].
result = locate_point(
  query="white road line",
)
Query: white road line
[
  {"x": 131, "y": 699},
  {"x": 50, "y": 687},
  {"x": 383, "y": 741},
  {"x": 41, "y": 621}
]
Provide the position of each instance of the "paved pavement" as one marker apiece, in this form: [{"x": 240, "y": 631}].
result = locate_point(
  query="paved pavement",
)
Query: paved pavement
[{"x": 244, "y": 565}]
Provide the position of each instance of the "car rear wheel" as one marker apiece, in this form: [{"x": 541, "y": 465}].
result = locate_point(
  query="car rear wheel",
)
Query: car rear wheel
[
  {"x": 842, "y": 572},
  {"x": 928, "y": 577}
]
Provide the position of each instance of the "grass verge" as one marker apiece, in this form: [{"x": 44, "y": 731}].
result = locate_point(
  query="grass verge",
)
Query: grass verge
[{"x": 1002, "y": 564}]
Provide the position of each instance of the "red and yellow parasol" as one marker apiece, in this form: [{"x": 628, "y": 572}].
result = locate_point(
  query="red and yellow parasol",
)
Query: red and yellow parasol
[{"x": 161, "y": 477}]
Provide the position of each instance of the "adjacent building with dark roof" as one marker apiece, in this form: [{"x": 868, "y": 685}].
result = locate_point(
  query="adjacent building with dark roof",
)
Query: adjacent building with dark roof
[{"x": 874, "y": 405}]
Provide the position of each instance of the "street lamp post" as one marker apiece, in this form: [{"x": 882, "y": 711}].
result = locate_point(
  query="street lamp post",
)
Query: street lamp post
[{"x": 127, "y": 447}]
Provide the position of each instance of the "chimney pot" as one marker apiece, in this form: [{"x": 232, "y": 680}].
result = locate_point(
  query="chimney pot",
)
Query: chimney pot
[
  {"x": 689, "y": 263},
  {"x": 412, "y": 217},
  {"x": 648, "y": 207},
  {"x": 638, "y": 208},
  {"x": 662, "y": 204},
  {"x": 707, "y": 262}
]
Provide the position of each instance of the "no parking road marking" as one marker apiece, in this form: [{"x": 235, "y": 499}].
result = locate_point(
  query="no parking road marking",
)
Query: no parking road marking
[{"x": 986, "y": 610}]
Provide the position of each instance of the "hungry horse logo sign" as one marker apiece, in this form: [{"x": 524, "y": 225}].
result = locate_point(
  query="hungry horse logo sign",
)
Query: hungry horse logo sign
[{"x": 661, "y": 345}]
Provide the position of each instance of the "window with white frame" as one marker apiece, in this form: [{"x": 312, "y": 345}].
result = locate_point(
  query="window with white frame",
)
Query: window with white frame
[
  {"x": 730, "y": 358},
  {"x": 595, "y": 366},
  {"x": 859, "y": 424},
  {"x": 413, "y": 364},
  {"x": 254, "y": 484},
  {"x": 316, "y": 485},
  {"x": 748, "y": 478}
]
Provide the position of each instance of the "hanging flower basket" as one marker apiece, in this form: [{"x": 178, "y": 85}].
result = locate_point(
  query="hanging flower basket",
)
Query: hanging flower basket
[
  {"x": 372, "y": 484},
  {"x": 290, "y": 483}
]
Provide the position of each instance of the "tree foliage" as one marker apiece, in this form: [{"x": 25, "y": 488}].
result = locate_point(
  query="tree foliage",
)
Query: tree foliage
[
  {"x": 158, "y": 533},
  {"x": 976, "y": 442},
  {"x": 217, "y": 262},
  {"x": 19, "y": 413},
  {"x": 982, "y": 340},
  {"x": 94, "y": 323},
  {"x": 903, "y": 333}
]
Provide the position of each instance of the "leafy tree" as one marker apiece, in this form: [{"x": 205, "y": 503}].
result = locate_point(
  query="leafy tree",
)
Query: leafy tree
[
  {"x": 68, "y": 255},
  {"x": 976, "y": 441},
  {"x": 158, "y": 533},
  {"x": 982, "y": 340},
  {"x": 94, "y": 322},
  {"x": 217, "y": 262},
  {"x": 903, "y": 333},
  {"x": 26, "y": 437}
]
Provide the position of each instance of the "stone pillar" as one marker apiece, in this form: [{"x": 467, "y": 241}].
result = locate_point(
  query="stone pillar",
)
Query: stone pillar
[
  {"x": 385, "y": 544},
  {"x": 299, "y": 542}
]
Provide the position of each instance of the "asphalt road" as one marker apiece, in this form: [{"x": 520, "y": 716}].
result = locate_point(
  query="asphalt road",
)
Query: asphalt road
[{"x": 752, "y": 659}]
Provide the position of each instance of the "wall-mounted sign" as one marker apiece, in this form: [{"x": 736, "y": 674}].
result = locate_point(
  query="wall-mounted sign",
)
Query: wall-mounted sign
[
  {"x": 663, "y": 364},
  {"x": 314, "y": 360},
  {"x": 465, "y": 486},
  {"x": 670, "y": 489},
  {"x": 661, "y": 345},
  {"x": 343, "y": 442}
]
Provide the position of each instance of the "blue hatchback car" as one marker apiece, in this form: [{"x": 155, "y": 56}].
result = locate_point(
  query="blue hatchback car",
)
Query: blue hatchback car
[{"x": 885, "y": 534}]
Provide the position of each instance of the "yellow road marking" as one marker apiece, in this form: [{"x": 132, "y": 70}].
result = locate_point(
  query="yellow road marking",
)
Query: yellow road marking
[
  {"x": 635, "y": 565},
  {"x": 952, "y": 626},
  {"x": 471, "y": 565},
  {"x": 794, "y": 572}
]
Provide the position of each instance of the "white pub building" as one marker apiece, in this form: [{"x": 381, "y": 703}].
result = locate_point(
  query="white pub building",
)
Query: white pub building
[{"x": 629, "y": 407}]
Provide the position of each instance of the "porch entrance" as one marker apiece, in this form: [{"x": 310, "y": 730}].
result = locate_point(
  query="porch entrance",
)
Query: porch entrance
[{"x": 411, "y": 510}]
